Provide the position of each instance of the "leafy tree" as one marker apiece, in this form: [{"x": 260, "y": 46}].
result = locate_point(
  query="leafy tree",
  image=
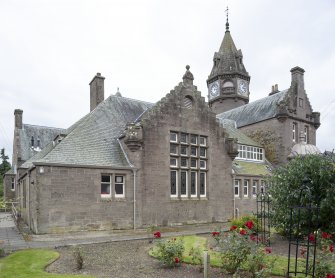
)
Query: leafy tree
[
  {"x": 4, "y": 167},
  {"x": 315, "y": 172}
]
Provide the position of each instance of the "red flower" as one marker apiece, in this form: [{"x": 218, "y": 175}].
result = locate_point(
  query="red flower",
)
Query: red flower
[
  {"x": 311, "y": 237},
  {"x": 330, "y": 275},
  {"x": 157, "y": 234},
  {"x": 215, "y": 233},
  {"x": 331, "y": 248},
  {"x": 232, "y": 228},
  {"x": 268, "y": 250},
  {"x": 249, "y": 224},
  {"x": 177, "y": 260},
  {"x": 252, "y": 237},
  {"x": 324, "y": 235},
  {"x": 243, "y": 232}
]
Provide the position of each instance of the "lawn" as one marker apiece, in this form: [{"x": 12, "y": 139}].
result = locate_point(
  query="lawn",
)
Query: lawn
[{"x": 31, "y": 263}]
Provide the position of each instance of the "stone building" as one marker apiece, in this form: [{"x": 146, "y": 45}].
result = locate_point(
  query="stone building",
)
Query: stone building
[{"x": 130, "y": 163}]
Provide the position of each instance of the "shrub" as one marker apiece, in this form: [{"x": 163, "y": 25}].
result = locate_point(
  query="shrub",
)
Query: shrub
[
  {"x": 170, "y": 251},
  {"x": 79, "y": 257},
  {"x": 243, "y": 220}
]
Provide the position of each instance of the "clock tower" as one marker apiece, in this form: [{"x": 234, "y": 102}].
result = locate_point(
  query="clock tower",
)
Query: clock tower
[{"x": 228, "y": 82}]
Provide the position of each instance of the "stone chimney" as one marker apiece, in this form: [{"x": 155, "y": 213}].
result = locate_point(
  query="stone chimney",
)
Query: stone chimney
[
  {"x": 274, "y": 89},
  {"x": 297, "y": 74},
  {"x": 18, "y": 118},
  {"x": 97, "y": 93}
]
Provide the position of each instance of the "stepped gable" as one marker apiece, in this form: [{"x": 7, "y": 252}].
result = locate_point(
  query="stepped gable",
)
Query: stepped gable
[
  {"x": 259, "y": 110},
  {"x": 93, "y": 140}
]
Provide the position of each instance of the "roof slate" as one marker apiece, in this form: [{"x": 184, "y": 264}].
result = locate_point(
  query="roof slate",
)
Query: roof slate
[
  {"x": 93, "y": 139},
  {"x": 43, "y": 133},
  {"x": 241, "y": 137},
  {"x": 256, "y": 111},
  {"x": 251, "y": 168}
]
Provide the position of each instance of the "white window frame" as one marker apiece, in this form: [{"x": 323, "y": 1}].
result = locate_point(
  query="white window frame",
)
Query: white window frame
[
  {"x": 205, "y": 141},
  {"x": 196, "y": 183},
  {"x": 237, "y": 185},
  {"x": 205, "y": 189},
  {"x": 181, "y": 166},
  {"x": 186, "y": 175},
  {"x": 250, "y": 153},
  {"x": 184, "y": 143},
  {"x": 204, "y": 156},
  {"x": 106, "y": 196},
  {"x": 246, "y": 186},
  {"x": 200, "y": 164},
  {"x": 176, "y": 134},
  {"x": 174, "y": 195},
  {"x": 176, "y": 153},
  {"x": 196, "y": 151},
  {"x": 196, "y": 163},
  {"x": 123, "y": 186},
  {"x": 12, "y": 184},
  {"x": 184, "y": 146},
  {"x": 196, "y": 139},
  {"x": 254, "y": 188}
]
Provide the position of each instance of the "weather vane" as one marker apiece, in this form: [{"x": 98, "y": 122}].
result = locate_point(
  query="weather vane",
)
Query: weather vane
[{"x": 227, "y": 23}]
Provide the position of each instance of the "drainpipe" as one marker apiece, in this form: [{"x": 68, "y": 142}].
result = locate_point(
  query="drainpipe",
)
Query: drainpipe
[
  {"x": 234, "y": 203},
  {"x": 134, "y": 216}
]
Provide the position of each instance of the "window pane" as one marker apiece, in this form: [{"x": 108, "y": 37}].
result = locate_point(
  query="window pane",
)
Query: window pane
[
  {"x": 183, "y": 150},
  {"x": 105, "y": 178},
  {"x": 202, "y": 164},
  {"x": 119, "y": 188},
  {"x": 119, "y": 179},
  {"x": 202, "y": 184},
  {"x": 193, "y": 183},
  {"x": 202, "y": 141},
  {"x": 203, "y": 152},
  {"x": 193, "y": 163},
  {"x": 183, "y": 162},
  {"x": 173, "y": 161},
  {"x": 193, "y": 139},
  {"x": 194, "y": 151},
  {"x": 173, "y": 182},
  {"x": 183, "y": 183},
  {"x": 173, "y": 149},
  {"x": 105, "y": 189},
  {"x": 173, "y": 137},
  {"x": 183, "y": 138}
]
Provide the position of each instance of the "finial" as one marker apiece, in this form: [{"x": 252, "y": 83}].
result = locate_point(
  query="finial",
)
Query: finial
[
  {"x": 188, "y": 76},
  {"x": 227, "y": 23},
  {"x": 187, "y": 67},
  {"x": 118, "y": 94}
]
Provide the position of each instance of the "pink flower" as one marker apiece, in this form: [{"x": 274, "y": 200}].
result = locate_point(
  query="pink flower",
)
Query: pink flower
[
  {"x": 330, "y": 275},
  {"x": 252, "y": 237},
  {"x": 331, "y": 248},
  {"x": 232, "y": 228},
  {"x": 324, "y": 235},
  {"x": 268, "y": 250},
  {"x": 249, "y": 224},
  {"x": 157, "y": 234},
  {"x": 215, "y": 234},
  {"x": 177, "y": 260}
]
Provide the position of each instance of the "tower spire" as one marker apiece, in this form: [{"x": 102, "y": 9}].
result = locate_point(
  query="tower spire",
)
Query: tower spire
[{"x": 227, "y": 23}]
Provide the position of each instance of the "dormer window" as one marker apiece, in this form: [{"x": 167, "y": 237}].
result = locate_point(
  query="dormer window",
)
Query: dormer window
[{"x": 250, "y": 153}]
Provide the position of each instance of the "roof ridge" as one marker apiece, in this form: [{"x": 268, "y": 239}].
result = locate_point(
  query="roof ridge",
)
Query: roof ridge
[
  {"x": 142, "y": 101},
  {"x": 44, "y": 126}
]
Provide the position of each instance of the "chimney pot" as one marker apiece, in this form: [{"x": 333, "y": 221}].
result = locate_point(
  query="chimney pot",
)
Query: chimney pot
[{"x": 18, "y": 118}]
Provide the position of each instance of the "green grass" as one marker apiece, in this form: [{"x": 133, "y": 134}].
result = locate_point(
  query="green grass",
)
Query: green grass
[
  {"x": 279, "y": 268},
  {"x": 31, "y": 263}
]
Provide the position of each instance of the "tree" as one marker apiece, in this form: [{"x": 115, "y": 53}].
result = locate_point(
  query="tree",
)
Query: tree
[
  {"x": 4, "y": 167},
  {"x": 317, "y": 172}
]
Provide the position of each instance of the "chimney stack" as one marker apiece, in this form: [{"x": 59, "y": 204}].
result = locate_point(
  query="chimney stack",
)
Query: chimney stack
[
  {"x": 297, "y": 74},
  {"x": 97, "y": 93},
  {"x": 18, "y": 118},
  {"x": 274, "y": 89}
]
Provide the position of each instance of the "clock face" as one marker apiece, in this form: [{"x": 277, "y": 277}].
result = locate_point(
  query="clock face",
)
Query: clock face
[
  {"x": 214, "y": 89},
  {"x": 243, "y": 88}
]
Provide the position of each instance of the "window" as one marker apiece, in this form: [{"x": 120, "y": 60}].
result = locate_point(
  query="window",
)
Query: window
[
  {"x": 188, "y": 103},
  {"x": 183, "y": 150},
  {"x": 173, "y": 162},
  {"x": 246, "y": 188},
  {"x": 173, "y": 180},
  {"x": 173, "y": 149},
  {"x": 202, "y": 152},
  {"x": 294, "y": 132},
  {"x": 188, "y": 165},
  {"x": 183, "y": 138},
  {"x": 254, "y": 188},
  {"x": 202, "y": 184},
  {"x": 119, "y": 186},
  {"x": 32, "y": 141},
  {"x": 194, "y": 139},
  {"x": 202, "y": 141},
  {"x": 306, "y": 134},
  {"x": 301, "y": 103},
  {"x": 250, "y": 153},
  {"x": 193, "y": 184},
  {"x": 106, "y": 186},
  {"x": 183, "y": 183},
  {"x": 13, "y": 185},
  {"x": 263, "y": 186},
  {"x": 173, "y": 137},
  {"x": 228, "y": 84},
  {"x": 237, "y": 188}
]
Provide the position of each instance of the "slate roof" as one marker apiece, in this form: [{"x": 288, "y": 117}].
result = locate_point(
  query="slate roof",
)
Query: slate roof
[
  {"x": 256, "y": 111},
  {"x": 29, "y": 163},
  {"x": 10, "y": 172},
  {"x": 43, "y": 133},
  {"x": 93, "y": 140},
  {"x": 251, "y": 168},
  {"x": 235, "y": 133}
]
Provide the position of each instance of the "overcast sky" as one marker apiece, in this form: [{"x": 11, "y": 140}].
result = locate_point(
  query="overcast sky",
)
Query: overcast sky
[{"x": 51, "y": 49}]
